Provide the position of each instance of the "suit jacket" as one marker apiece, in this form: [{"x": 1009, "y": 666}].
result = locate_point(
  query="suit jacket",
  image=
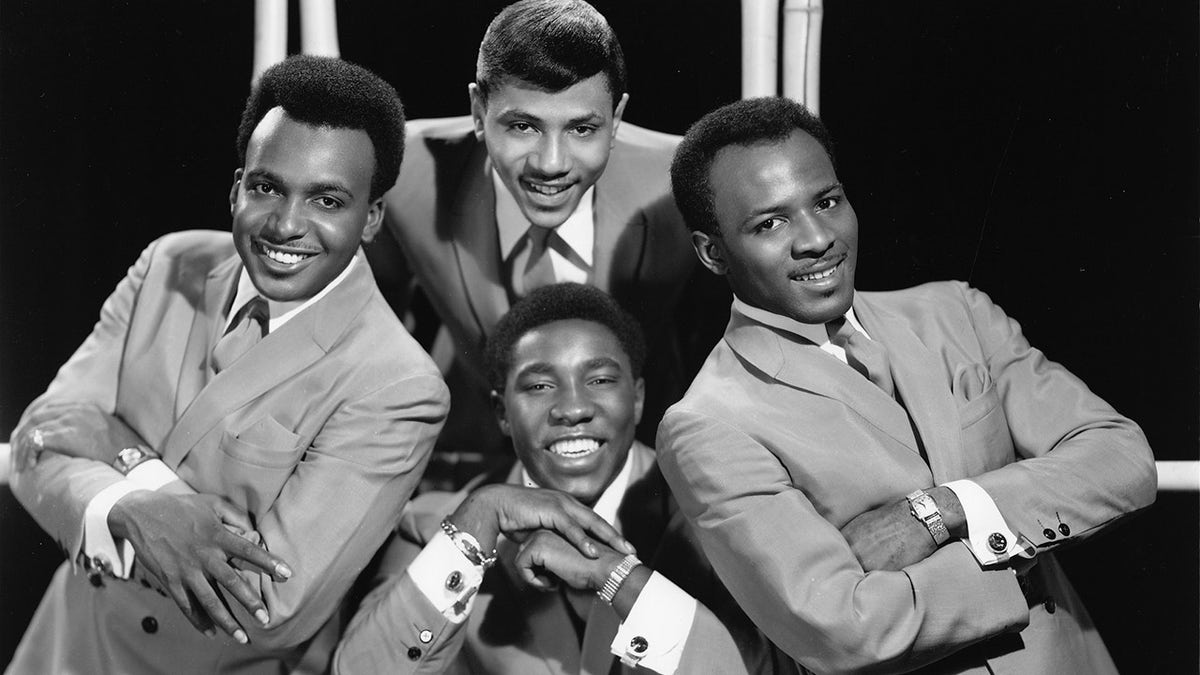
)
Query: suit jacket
[
  {"x": 777, "y": 446},
  {"x": 516, "y": 629},
  {"x": 320, "y": 431},
  {"x": 442, "y": 212}
]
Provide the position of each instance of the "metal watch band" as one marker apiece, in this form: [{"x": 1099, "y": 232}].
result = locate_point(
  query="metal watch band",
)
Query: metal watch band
[
  {"x": 617, "y": 577},
  {"x": 129, "y": 458},
  {"x": 468, "y": 545},
  {"x": 923, "y": 507}
]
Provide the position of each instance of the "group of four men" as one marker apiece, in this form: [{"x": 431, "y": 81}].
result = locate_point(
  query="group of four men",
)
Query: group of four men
[{"x": 853, "y": 481}]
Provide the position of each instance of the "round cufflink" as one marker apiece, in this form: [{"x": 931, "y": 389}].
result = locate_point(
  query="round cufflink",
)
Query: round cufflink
[
  {"x": 638, "y": 645},
  {"x": 997, "y": 542},
  {"x": 454, "y": 581}
]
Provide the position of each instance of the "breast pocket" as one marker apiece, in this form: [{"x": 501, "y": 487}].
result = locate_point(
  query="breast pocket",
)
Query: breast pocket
[
  {"x": 987, "y": 442},
  {"x": 257, "y": 461}
]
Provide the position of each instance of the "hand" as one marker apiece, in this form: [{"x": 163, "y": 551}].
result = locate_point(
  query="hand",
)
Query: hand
[
  {"x": 888, "y": 538},
  {"x": 545, "y": 558},
  {"x": 518, "y": 511},
  {"x": 191, "y": 544},
  {"x": 73, "y": 429}
]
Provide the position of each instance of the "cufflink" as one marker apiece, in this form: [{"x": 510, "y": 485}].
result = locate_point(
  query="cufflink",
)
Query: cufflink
[
  {"x": 454, "y": 581},
  {"x": 638, "y": 645},
  {"x": 997, "y": 542}
]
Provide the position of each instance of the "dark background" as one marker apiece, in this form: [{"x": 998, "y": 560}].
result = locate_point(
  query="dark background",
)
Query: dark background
[{"x": 1048, "y": 153}]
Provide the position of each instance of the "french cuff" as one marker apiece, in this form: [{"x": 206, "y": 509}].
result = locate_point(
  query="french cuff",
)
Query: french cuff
[
  {"x": 446, "y": 577},
  {"x": 654, "y": 633},
  {"x": 990, "y": 539},
  {"x": 151, "y": 474},
  {"x": 101, "y": 553}
]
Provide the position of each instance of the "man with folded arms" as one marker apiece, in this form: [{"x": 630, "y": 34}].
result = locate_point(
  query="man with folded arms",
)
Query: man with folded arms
[
  {"x": 240, "y": 431},
  {"x": 879, "y": 478},
  {"x": 495, "y": 587}
]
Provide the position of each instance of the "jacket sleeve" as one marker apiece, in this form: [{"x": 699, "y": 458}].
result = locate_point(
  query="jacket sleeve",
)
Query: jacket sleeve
[
  {"x": 796, "y": 576},
  {"x": 1080, "y": 464}
]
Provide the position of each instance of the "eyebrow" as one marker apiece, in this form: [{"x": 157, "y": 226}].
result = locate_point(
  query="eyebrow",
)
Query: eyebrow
[
  {"x": 537, "y": 368},
  {"x": 601, "y": 362},
  {"x": 520, "y": 113}
]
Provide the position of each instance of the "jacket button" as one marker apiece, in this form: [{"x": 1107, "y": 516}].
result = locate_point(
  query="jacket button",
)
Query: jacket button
[
  {"x": 997, "y": 542},
  {"x": 1066, "y": 531},
  {"x": 414, "y": 653},
  {"x": 1050, "y": 605},
  {"x": 1049, "y": 534},
  {"x": 150, "y": 625},
  {"x": 95, "y": 580},
  {"x": 426, "y": 636}
]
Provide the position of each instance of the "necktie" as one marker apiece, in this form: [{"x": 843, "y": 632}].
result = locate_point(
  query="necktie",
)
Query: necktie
[
  {"x": 539, "y": 270},
  {"x": 247, "y": 328},
  {"x": 863, "y": 354}
]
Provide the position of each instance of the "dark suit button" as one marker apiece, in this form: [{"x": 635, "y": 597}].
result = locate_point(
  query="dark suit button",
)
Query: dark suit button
[
  {"x": 1062, "y": 527},
  {"x": 414, "y": 653},
  {"x": 150, "y": 625},
  {"x": 95, "y": 580},
  {"x": 1050, "y": 605},
  {"x": 639, "y": 645},
  {"x": 997, "y": 542},
  {"x": 1049, "y": 534}
]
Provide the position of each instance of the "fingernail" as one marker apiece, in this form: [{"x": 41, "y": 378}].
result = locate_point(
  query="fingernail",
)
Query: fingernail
[
  {"x": 240, "y": 636},
  {"x": 591, "y": 549},
  {"x": 210, "y": 633},
  {"x": 262, "y": 616},
  {"x": 283, "y": 571}
]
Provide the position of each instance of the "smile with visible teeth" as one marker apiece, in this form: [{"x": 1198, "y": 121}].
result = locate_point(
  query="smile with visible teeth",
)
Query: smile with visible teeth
[
  {"x": 575, "y": 447},
  {"x": 542, "y": 189},
  {"x": 819, "y": 275},
  {"x": 282, "y": 256}
]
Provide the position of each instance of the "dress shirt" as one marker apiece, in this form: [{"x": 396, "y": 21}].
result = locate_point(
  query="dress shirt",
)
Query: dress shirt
[
  {"x": 662, "y": 615},
  {"x": 578, "y": 232},
  {"x": 979, "y": 509},
  {"x": 101, "y": 549}
]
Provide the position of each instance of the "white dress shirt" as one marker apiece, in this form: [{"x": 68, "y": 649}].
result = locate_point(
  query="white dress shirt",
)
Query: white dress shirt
[
  {"x": 979, "y": 509},
  {"x": 578, "y": 232}
]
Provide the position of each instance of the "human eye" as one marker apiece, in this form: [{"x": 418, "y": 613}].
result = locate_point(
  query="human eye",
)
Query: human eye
[
  {"x": 769, "y": 224},
  {"x": 522, "y": 127},
  {"x": 327, "y": 202},
  {"x": 263, "y": 188},
  {"x": 583, "y": 130},
  {"x": 828, "y": 202}
]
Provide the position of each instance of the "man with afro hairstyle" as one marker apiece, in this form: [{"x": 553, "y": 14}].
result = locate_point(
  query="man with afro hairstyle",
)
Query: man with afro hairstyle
[{"x": 237, "y": 436}]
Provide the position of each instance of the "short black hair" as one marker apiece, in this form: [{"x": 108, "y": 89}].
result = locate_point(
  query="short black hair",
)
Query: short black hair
[
  {"x": 551, "y": 44},
  {"x": 327, "y": 92},
  {"x": 748, "y": 122},
  {"x": 561, "y": 302}
]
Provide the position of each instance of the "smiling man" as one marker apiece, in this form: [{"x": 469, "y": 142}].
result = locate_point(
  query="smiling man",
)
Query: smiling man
[
  {"x": 543, "y": 182},
  {"x": 879, "y": 478},
  {"x": 566, "y": 366},
  {"x": 239, "y": 433}
]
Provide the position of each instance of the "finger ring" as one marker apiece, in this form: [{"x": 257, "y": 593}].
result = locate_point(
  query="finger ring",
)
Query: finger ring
[{"x": 38, "y": 439}]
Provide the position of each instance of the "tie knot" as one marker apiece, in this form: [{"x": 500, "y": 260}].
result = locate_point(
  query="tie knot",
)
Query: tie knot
[
  {"x": 539, "y": 237},
  {"x": 840, "y": 331},
  {"x": 257, "y": 310}
]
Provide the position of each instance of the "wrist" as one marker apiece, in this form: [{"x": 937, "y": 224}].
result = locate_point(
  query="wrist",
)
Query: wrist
[
  {"x": 476, "y": 517},
  {"x": 120, "y": 518},
  {"x": 952, "y": 512}
]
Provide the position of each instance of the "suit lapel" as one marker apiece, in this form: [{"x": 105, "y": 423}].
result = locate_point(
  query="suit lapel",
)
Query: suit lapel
[
  {"x": 618, "y": 246},
  {"x": 278, "y": 356},
  {"x": 477, "y": 243},
  {"x": 920, "y": 378},
  {"x": 219, "y": 287}
]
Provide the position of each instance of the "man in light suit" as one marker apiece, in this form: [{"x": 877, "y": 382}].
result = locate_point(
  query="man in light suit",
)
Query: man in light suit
[
  {"x": 879, "y": 478},
  {"x": 240, "y": 431},
  {"x": 543, "y": 152},
  {"x": 566, "y": 364}
]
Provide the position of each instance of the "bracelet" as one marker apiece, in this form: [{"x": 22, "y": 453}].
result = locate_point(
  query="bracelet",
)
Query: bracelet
[
  {"x": 468, "y": 545},
  {"x": 617, "y": 577}
]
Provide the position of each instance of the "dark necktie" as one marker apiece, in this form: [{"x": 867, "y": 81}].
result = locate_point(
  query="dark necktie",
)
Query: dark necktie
[
  {"x": 863, "y": 354},
  {"x": 247, "y": 328},
  {"x": 539, "y": 270}
]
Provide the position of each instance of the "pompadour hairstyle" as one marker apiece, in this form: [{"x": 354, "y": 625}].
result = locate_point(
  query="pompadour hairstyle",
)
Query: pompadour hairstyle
[
  {"x": 748, "y": 122},
  {"x": 327, "y": 92},
  {"x": 552, "y": 44},
  {"x": 561, "y": 302}
]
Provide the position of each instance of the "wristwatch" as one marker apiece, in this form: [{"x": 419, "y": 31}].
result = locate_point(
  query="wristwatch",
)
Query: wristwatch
[
  {"x": 924, "y": 509},
  {"x": 130, "y": 457}
]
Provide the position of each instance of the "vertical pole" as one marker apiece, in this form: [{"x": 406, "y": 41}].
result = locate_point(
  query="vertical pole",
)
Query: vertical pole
[
  {"x": 270, "y": 35},
  {"x": 760, "y": 44},
  {"x": 318, "y": 28},
  {"x": 802, "y": 51}
]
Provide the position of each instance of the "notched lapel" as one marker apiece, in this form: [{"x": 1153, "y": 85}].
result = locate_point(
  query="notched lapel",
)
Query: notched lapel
[{"x": 219, "y": 287}]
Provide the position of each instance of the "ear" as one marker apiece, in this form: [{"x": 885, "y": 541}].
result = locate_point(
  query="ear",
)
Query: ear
[
  {"x": 233, "y": 191},
  {"x": 639, "y": 399},
  {"x": 499, "y": 410},
  {"x": 710, "y": 251},
  {"x": 617, "y": 115},
  {"x": 478, "y": 109},
  {"x": 374, "y": 220}
]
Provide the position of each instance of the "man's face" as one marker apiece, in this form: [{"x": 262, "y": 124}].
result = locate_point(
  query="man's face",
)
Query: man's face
[
  {"x": 788, "y": 236},
  {"x": 570, "y": 404},
  {"x": 301, "y": 205},
  {"x": 548, "y": 147}
]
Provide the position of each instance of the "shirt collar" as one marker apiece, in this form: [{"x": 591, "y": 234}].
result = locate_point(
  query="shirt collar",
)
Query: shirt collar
[
  {"x": 610, "y": 500},
  {"x": 281, "y": 312},
  {"x": 578, "y": 231},
  {"x": 813, "y": 332}
]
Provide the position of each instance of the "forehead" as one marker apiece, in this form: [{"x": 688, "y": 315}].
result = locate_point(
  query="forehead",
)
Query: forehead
[
  {"x": 305, "y": 152},
  {"x": 748, "y": 177},
  {"x": 567, "y": 344},
  {"x": 590, "y": 97}
]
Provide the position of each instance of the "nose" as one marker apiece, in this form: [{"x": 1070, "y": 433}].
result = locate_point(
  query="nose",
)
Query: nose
[
  {"x": 572, "y": 407},
  {"x": 285, "y": 222},
  {"x": 811, "y": 237},
  {"x": 551, "y": 157}
]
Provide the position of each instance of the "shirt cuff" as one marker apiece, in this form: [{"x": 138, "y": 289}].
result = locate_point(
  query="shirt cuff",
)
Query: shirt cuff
[
  {"x": 990, "y": 539},
  {"x": 101, "y": 552},
  {"x": 151, "y": 475},
  {"x": 446, "y": 577},
  {"x": 654, "y": 633}
]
